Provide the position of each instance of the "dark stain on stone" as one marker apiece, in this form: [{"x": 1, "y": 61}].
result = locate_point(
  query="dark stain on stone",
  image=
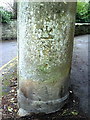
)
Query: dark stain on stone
[
  {"x": 61, "y": 92},
  {"x": 39, "y": 99}
]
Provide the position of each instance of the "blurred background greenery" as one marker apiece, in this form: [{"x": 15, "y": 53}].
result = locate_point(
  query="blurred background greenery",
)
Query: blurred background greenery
[{"x": 82, "y": 13}]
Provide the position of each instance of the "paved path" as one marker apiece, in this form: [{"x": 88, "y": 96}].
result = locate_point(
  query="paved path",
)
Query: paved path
[
  {"x": 8, "y": 51},
  {"x": 79, "y": 74}
]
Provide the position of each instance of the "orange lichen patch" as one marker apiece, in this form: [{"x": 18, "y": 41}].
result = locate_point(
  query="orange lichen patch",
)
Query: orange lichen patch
[{"x": 27, "y": 88}]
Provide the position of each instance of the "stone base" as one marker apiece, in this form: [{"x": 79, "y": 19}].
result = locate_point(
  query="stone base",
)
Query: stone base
[{"x": 31, "y": 106}]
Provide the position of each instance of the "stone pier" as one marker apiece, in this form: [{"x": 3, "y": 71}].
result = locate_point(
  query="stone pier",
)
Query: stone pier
[{"x": 45, "y": 43}]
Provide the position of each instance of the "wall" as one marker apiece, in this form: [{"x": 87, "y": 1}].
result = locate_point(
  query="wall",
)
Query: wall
[
  {"x": 82, "y": 28},
  {"x": 9, "y": 31}
]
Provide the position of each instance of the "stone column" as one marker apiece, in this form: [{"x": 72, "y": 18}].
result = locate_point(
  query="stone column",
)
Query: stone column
[{"x": 45, "y": 42}]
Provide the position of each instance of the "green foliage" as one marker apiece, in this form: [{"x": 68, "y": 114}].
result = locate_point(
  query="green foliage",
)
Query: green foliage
[
  {"x": 5, "y": 15},
  {"x": 83, "y": 12}
]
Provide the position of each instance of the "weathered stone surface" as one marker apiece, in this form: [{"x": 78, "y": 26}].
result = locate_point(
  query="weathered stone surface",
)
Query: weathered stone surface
[
  {"x": 45, "y": 41},
  {"x": 10, "y": 31}
]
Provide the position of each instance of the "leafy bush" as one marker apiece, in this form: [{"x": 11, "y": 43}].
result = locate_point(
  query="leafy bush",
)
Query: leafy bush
[
  {"x": 83, "y": 12},
  {"x": 5, "y": 15}
]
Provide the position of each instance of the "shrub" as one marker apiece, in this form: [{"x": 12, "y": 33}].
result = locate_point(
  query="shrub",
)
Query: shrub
[
  {"x": 83, "y": 12},
  {"x": 5, "y": 15}
]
